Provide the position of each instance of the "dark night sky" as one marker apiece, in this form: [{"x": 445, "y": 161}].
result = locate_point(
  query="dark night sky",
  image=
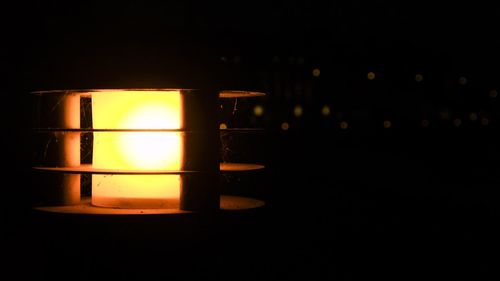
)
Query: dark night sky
[
  {"x": 138, "y": 42},
  {"x": 344, "y": 197}
]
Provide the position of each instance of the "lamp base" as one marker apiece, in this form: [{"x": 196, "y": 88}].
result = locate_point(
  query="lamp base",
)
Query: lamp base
[
  {"x": 84, "y": 241},
  {"x": 227, "y": 203}
]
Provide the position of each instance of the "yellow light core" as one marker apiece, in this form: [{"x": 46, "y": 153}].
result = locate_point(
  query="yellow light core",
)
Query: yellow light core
[{"x": 141, "y": 150}]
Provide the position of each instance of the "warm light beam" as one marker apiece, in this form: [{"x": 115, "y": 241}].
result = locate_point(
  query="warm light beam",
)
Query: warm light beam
[{"x": 137, "y": 150}]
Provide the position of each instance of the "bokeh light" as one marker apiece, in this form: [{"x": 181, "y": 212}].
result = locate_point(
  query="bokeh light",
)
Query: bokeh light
[
  {"x": 370, "y": 75},
  {"x": 325, "y": 110},
  {"x": 473, "y": 116},
  {"x": 285, "y": 126},
  {"x": 258, "y": 110},
  {"x": 298, "y": 111}
]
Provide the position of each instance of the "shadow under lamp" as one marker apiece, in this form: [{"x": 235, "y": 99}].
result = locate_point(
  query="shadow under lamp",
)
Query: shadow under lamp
[{"x": 148, "y": 151}]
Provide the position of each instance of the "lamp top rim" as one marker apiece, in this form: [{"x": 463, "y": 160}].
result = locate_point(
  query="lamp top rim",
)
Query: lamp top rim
[
  {"x": 222, "y": 93},
  {"x": 109, "y": 90}
]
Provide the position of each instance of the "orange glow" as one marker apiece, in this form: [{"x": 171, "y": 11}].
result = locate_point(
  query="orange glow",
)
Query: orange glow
[{"x": 136, "y": 150}]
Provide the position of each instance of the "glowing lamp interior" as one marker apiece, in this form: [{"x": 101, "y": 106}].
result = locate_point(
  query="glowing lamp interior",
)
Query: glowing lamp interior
[{"x": 139, "y": 150}]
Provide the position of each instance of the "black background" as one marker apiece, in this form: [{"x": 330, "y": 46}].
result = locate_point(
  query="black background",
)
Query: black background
[{"x": 365, "y": 202}]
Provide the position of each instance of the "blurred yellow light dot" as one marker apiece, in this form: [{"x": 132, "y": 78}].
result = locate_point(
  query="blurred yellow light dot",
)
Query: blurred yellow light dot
[
  {"x": 316, "y": 72},
  {"x": 298, "y": 111},
  {"x": 457, "y": 122},
  {"x": 485, "y": 121},
  {"x": 493, "y": 93},
  {"x": 285, "y": 126},
  {"x": 222, "y": 126},
  {"x": 344, "y": 125},
  {"x": 325, "y": 110},
  {"x": 370, "y": 75},
  {"x": 425, "y": 123},
  {"x": 387, "y": 124},
  {"x": 473, "y": 116},
  {"x": 258, "y": 110},
  {"x": 419, "y": 77},
  {"x": 462, "y": 80}
]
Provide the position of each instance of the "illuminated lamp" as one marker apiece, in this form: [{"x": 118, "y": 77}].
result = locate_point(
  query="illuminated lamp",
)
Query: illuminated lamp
[{"x": 132, "y": 151}]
